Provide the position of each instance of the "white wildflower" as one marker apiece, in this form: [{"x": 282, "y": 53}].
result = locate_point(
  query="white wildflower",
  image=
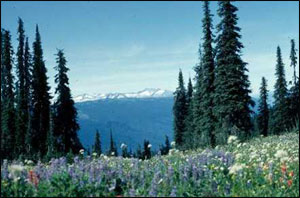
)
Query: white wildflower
[
  {"x": 123, "y": 146},
  {"x": 236, "y": 168},
  {"x": 149, "y": 145},
  {"x": 161, "y": 180},
  {"x": 173, "y": 144},
  {"x": 94, "y": 154},
  {"x": 281, "y": 154},
  {"x": 238, "y": 156},
  {"x": 232, "y": 139},
  {"x": 81, "y": 151},
  {"x": 15, "y": 168}
]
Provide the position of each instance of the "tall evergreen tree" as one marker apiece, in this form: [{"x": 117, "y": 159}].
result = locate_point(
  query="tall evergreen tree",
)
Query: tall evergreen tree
[
  {"x": 293, "y": 98},
  {"x": 27, "y": 94},
  {"x": 263, "y": 115},
  {"x": 167, "y": 145},
  {"x": 147, "y": 150},
  {"x": 40, "y": 119},
  {"x": 179, "y": 110},
  {"x": 97, "y": 145},
  {"x": 207, "y": 120},
  {"x": 232, "y": 101},
  {"x": 189, "y": 125},
  {"x": 65, "y": 114},
  {"x": 7, "y": 98},
  {"x": 22, "y": 97},
  {"x": 293, "y": 57},
  {"x": 194, "y": 138},
  {"x": 112, "y": 149},
  {"x": 280, "y": 114}
]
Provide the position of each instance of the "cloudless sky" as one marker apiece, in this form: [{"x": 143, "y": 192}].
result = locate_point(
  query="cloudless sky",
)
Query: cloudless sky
[{"x": 129, "y": 46}]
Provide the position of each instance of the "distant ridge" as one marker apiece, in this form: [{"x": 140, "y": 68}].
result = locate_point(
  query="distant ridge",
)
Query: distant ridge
[{"x": 145, "y": 93}]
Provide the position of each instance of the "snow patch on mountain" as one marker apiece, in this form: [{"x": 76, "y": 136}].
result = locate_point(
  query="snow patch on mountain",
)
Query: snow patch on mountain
[{"x": 146, "y": 93}]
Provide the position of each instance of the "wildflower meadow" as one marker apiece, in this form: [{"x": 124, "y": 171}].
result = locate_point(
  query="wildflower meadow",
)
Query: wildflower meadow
[{"x": 264, "y": 166}]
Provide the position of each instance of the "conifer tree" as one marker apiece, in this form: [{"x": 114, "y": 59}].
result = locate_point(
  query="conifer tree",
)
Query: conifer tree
[
  {"x": 147, "y": 150},
  {"x": 263, "y": 114},
  {"x": 293, "y": 98},
  {"x": 112, "y": 149},
  {"x": 28, "y": 94},
  {"x": 139, "y": 153},
  {"x": 293, "y": 57},
  {"x": 179, "y": 110},
  {"x": 7, "y": 98},
  {"x": 189, "y": 125},
  {"x": 167, "y": 146},
  {"x": 22, "y": 95},
  {"x": 194, "y": 138},
  {"x": 232, "y": 101},
  {"x": 65, "y": 114},
  {"x": 280, "y": 115},
  {"x": 207, "y": 120},
  {"x": 40, "y": 121},
  {"x": 97, "y": 145}
]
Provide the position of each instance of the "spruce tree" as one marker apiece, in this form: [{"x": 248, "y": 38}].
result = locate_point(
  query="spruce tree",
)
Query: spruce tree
[
  {"x": 28, "y": 92},
  {"x": 65, "y": 114},
  {"x": 293, "y": 99},
  {"x": 179, "y": 110},
  {"x": 22, "y": 95},
  {"x": 263, "y": 109},
  {"x": 40, "y": 119},
  {"x": 293, "y": 57},
  {"x": 194, "y": 138},
  {"x": 167, "y": 146},
  {"x": 112, "y": 149},
  {"x": 207, "y": 120},
  {"x": 280, "y": 114},
  {"x": 232, "y": 101},
  {"x": 7, "y": 98},
  {"x": 97, "y": 144},
  {"x": 189, "y": 126},
  {"x": 147, "y": 150}
]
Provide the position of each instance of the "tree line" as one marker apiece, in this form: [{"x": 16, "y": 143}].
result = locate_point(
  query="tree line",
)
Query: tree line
[
  {"x": 219, "y": 104},
  {"x": 31, "y": 126},
  {"x": 140, "y": 153}
]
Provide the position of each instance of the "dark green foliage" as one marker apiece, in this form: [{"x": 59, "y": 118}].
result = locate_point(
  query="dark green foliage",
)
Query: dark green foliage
[
  {"x": 189, "y": 125},
  {"x": 65, "y": 115},
  {"x": 179, "y": 110},
  {"x": 194, "y": 138},
  {"x": 232, "y": 100},
  {"x": 207, "y": 120},
  {"x": 125, "y": 151},
  {"x": 51, "y": 150},
  {"x": 293, "y": 57},
  {"x": 7, "y": 98},
  {"x": 164, "y": 150},
  {"x": 293, "y": 95},
  {"x": 139, "y": 153},
  {"x": 97, "y": 146},
  {"x": 112, "y": 149},
  {"x": 263, "y": 115},
  {"x": 40, "y": 122},
  {"x": 280, "y": 116},
  {"x": 22, "y": 108},
  {"x": 147, "y": 150}
]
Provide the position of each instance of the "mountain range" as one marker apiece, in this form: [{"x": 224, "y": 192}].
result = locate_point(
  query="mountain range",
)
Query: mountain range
[
  {"x": 132, "y": 117},
  {"x": 146, "y": 93}
]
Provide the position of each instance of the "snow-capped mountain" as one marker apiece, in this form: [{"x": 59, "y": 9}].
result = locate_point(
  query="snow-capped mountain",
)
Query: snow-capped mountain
[{"x": 146, "y": 93}]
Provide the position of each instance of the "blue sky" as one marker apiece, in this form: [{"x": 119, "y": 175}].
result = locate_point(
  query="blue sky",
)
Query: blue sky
[{"x": 129, "y": 46}]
